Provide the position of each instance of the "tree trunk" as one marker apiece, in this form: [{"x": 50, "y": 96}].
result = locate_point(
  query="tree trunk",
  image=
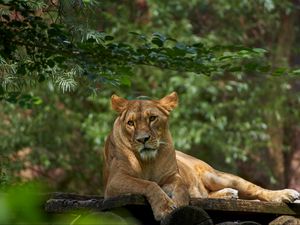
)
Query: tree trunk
[
  {"x": 293, "y": 165},
  {"x": 275, "y": 150},
  {"x": 281, "y": 58},
  {"x": 139, "y": 12},
  {"x": 286, "y": 36}
]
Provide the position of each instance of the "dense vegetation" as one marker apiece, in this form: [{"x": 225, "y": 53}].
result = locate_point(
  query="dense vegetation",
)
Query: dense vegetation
[{"x": 233, "y": 64}]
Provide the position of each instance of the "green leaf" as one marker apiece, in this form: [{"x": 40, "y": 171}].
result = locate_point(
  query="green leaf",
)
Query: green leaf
[
  {"x": 158, "y": 39},
  {"x": 296, "y": 72},
  {"x": 279, "y": 71},
  {"x": 157, "y": 42},
  {"x": 51, "y": 63},
  {"x": 179, "y": 49},
  {"x": 134, "y": 33},
  {"x": 259, "y": 50},
  {"x": 191, "y": 50},
  {"x": 22, "y": 69},
  {"x": 13, "y": 97},
  {"x": 37, "y": 101},
  {"x": 171, "y": 39},
  {"x": 26, "y": 97},
  {"x": 181, "y": 46},
  {"x": 235, "y": 69},
  {"x": 140, "y": 36},
  {"x": 125, "y": 80},
  {"x": 59, "y": 59},
  {"x": 160, "y": 36},
  {"x": 108, "y": 38},
  {"x": 251, "y": 67},
  {"x": 226, "y": 57},
  {"x": 41, "y": 78},
  {"x": 264, "y": 68},
  {"x": 1, "y": 90}
]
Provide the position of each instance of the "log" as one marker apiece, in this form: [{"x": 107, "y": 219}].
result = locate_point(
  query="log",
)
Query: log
[
  {"x": 286, "y": 220},
  {"x": 188, "y": 215},
  {"x": 219, "y": 210}
]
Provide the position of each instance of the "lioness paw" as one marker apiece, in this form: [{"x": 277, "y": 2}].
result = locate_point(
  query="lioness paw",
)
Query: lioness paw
[
  {"x": 162, "y": 205},
  {"x": 163, "y": 209},
  {"x": 285, "y": 195},
  {"x": 226, "y": 193},
  {"x": 290, "y": 195}
]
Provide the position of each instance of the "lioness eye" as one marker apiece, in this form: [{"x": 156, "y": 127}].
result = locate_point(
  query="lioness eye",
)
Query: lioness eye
[
  {"x": 130, "y": 123},
  {"x": 152, "y": 118}
]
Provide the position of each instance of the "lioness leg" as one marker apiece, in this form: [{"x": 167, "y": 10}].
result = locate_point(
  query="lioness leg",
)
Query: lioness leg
[
  {"x": 160, "y": 202},
  {"x": 216, "y": 180},
  {"x": 176, "y": 190}
]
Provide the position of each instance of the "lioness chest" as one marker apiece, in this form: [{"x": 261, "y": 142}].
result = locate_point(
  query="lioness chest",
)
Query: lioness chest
[{"x": 158, "y": 171}]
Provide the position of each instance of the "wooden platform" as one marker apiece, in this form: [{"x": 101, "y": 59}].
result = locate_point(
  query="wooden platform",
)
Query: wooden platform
[{"x": 219, "y": 210}]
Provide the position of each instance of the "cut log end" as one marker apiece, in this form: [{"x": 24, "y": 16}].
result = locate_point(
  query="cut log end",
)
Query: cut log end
[{"x": 187, "y": 215}]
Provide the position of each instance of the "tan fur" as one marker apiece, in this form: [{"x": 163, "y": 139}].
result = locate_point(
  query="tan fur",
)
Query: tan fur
[{"x": 139, "y": 158}]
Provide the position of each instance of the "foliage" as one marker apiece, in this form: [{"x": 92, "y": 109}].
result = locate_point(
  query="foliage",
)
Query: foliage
[
  {"x": 62, "y": 65},
  {"x": 34, "y": 50},
  {"x": 59, "y": 143},
  {"x": 22, "y": 204},
  {"x": 19, "y": 205}
]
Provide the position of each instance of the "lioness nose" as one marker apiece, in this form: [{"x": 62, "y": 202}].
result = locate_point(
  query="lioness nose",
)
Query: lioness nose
[{"x": 143, "y": 139}]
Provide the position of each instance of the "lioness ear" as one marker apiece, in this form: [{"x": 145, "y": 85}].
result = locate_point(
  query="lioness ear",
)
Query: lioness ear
[
  {"x": 170, "y": 101},
  {"x": 118, "y": 103}
]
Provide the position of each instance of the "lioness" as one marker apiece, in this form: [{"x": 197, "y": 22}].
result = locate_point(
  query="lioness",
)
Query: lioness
[{"x": 140, "y": 158}]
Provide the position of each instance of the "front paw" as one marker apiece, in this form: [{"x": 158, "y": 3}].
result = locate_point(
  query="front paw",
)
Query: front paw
[
  {"x": 285, "y": 195},
  {"x": 163, "y": 208}
]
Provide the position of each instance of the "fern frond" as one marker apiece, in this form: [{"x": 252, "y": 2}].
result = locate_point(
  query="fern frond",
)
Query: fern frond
[
  {"x": 35, "y": 5},
  {"x": 66, "y": 82},
  {"x": 7, "y": 69},
  {"x": 4, "y": 11},
  {"x": 7, "y": 72},
  {"x": 92, "y": 34}
]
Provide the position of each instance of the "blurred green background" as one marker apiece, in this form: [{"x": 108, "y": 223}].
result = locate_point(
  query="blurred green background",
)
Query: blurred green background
[{"x": 246, "y": 123}]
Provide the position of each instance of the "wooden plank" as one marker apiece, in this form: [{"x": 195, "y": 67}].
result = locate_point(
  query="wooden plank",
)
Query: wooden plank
[
  {"x": 74, "y": 196},
  {"x": 124, "y": 200},
  {"x": 219, "y": 210},
  {"x": 247, "y": 206},
  {"x": 69, "y": 205},
  {"x": 63, "y": 202}
]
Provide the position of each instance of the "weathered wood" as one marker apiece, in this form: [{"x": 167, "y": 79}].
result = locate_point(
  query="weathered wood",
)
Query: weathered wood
[
  {"x": 247, "y": 206},
  {"x": 62, "y": 203},
  {"x": 65, "y": 202},
  {"x": 73, "y": 196},
  {"x": 239, "y": 223},
  {"x": 220, "y": 210},
  {"x": 68, "y": 205},
  {"x": 124, "y": 200}
]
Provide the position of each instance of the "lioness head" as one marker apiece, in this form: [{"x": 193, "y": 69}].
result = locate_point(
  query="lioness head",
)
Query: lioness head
[{"x": 144, "y": 123}]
